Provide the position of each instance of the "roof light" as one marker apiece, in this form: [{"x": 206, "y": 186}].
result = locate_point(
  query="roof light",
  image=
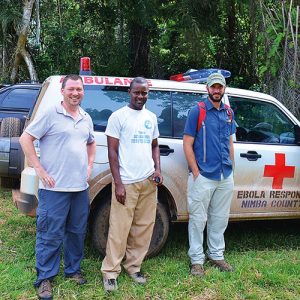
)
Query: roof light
[
  {"x": 198, "y": 76},
  {"x": 85, "y": 66}
]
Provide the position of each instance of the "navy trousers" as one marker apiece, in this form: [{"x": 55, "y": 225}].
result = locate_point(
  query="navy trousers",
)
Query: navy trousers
[{"x": 61, "y": 220}]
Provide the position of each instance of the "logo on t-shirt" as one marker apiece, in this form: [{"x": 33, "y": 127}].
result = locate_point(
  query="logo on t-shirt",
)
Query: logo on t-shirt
[
  {"x": 148, "y": 124},
  {"x": 141, "y": 138}
]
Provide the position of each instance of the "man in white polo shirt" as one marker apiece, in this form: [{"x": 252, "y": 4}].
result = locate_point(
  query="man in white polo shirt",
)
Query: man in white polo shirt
[{"x": 67, "y": 151}]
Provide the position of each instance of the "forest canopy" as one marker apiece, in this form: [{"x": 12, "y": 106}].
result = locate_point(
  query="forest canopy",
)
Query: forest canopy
[{"x": 258, "y": 41}]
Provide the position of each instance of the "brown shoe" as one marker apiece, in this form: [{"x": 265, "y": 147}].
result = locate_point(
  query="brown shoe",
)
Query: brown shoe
[
  {"x": 78, "y": 278},
  {"x": 222, "y": 265},
  {"x": 45, "y": 290},
  {"x": 197, "y": 270}
]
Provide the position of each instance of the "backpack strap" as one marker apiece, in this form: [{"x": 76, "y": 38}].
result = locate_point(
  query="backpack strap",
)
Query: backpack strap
[
  {"x": 202, "y": 114},
  {"x": 229, "y": 111},
  {"x": 201, "y": 119}
]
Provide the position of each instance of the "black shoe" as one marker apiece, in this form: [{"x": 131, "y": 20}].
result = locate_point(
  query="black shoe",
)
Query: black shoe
[{"x": 45, "y": 290}]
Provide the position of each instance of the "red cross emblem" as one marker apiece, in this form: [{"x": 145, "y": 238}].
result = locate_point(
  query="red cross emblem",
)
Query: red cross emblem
[{"x": 279, "y": 171}]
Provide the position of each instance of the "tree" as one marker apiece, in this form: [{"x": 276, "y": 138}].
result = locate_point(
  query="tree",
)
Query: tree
[
  {"x": 9, "y": 16},
  {"x": 279, "y": 58},
  {"x": 21, "y": 52}
]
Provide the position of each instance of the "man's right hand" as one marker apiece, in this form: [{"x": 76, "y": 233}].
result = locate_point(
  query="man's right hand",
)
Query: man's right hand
[
  {"x": 46, "y": 179},
  {"x": 120, "y": 193}
]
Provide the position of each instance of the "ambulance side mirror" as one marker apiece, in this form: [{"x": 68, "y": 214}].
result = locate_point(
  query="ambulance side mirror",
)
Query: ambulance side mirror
[{"x": 297, "y": 134}]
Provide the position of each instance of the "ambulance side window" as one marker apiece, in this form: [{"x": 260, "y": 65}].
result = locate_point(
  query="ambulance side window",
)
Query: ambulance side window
[
  {"x": 261, "y": 122},
  {"x": 182, "y": 103},
  {"x": 101, "y": 101},
  {"x": 159, "y": 102}
]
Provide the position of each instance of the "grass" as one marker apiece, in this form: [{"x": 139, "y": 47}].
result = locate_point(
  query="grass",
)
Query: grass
[{"x": 265, "y": 254}]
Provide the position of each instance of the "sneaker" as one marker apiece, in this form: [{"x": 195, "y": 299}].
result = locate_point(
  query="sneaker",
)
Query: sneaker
[
  {"x": 45, "y": 290},
  {"x": 138, "y": 277},
  {"x": 77, "y": 277},
  {"x": 222, "y": 265},
  {"x": 197, "y": 270},
  {"x": 110, "y": 285}
]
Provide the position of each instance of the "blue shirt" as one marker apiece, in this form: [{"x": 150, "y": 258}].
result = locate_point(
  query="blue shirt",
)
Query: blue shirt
[{"x": 212, "y": 142}]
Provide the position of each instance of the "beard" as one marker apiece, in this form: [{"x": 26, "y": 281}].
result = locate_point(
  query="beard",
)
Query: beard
[{"x": 211, "y": 96}]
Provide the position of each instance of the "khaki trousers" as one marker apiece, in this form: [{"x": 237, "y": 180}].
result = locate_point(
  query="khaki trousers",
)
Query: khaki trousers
[{"x": 130, "y": 228}]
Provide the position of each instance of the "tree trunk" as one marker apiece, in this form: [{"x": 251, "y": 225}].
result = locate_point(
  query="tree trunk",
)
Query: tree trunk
[
  {"x": 139, "y": 50},
  {"x": 21, "y": 54},
  {"x": 253, "y": 39},
  {"x": 4, "y": 50},
  {"x": 38, "y": 22}
]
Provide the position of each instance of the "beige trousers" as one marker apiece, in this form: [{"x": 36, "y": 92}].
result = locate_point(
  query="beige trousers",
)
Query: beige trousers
[{"x": 130, "y": 228}]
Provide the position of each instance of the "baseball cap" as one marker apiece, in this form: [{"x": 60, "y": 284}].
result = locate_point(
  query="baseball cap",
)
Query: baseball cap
[{"x": 216, "y": 78}]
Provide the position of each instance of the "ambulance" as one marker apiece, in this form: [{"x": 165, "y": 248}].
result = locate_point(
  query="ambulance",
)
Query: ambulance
[{"x": 267, "y": 152}]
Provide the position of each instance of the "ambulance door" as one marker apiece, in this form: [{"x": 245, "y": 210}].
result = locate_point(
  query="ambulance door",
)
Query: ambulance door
[
  {"x": 267, "y": 161},
  {"x": 171, "y": 109}
]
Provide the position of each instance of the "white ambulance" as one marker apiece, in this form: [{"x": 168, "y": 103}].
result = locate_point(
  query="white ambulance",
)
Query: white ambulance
[{"x": 267, "y": 152}]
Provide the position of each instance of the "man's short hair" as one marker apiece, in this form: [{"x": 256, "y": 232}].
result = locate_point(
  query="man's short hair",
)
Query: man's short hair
[
  {"x": 139, "y": 80},
  {"x": 70, "y": 77}
]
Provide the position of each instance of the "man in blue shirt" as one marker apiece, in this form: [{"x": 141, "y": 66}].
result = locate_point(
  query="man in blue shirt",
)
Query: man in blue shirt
[{"x": 209, "y": 153}]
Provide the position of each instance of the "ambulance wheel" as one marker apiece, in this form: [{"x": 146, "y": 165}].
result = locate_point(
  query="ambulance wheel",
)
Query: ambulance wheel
[
  {"x": 160, "y": 230},
  {"x": 101, "y": 224}
]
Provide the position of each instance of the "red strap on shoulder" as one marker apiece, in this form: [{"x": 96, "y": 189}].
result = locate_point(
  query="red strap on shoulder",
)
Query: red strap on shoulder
[
  {"x": 229, "y": 111},
  {"x": 202, "y": 114}
]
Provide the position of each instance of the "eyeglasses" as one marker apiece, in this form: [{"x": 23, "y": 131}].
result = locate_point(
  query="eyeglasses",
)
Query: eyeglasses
[{"x": 137, "y": 93}]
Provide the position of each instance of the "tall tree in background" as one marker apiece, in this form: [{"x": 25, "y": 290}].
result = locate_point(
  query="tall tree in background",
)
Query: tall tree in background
[
  {"x": 185, "y": 37},
  {"x": 10, "y": 16},
  {"x": 21, "y": 53},
  {"x": 279, "y": 64},
  {"x": 140, "y": 17},
  {"x": 236, "y": 41},
  {"x": 256, "y": 40}
]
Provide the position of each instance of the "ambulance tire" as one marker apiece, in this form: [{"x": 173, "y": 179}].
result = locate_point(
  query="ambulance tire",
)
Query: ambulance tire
[
  {"x": 100, "y": 227},
  {"x": 10, "y": 127},
  {"x": 160, "y": 230}
]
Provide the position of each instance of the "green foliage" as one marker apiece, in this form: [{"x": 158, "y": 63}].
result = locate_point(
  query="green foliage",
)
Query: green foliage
[
  {"x": 166, "y": 36},
  {"x": 154, "y": 38},
  {"x": 273, "y": 37}
]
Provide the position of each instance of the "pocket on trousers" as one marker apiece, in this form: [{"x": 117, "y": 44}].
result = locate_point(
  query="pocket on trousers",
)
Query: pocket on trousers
[
  {"x": 192, "y": 181},
  {"x": 42, "y": 220},
  {"x": 152, "y": 183}
]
